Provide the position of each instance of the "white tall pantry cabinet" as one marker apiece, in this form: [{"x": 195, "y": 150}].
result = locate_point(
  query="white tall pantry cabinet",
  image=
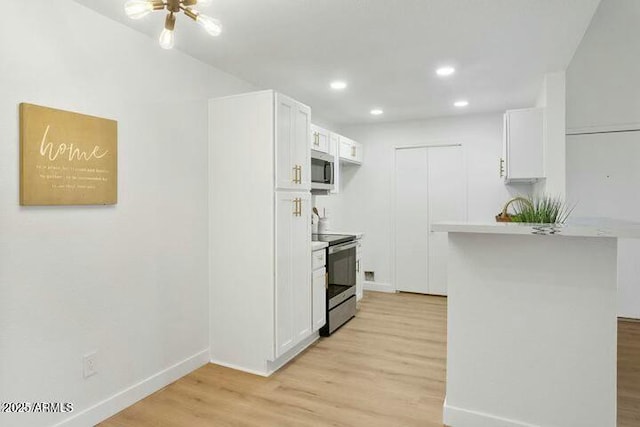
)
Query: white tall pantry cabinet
[{"x": 260, "y": 231}]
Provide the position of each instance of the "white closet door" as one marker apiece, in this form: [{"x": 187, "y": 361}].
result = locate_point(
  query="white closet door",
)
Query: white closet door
[
  {"x": 447, "y": 202},
  {"x": 411, "y": 222},
  {"x": 430, "y": 186}
]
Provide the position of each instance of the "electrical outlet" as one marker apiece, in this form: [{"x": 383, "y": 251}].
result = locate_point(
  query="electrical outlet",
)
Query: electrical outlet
[{"x": 89, "y": 365}]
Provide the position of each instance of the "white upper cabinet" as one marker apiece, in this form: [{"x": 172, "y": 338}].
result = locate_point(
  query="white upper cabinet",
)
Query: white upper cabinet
[
  {"x": 319, "y": 139},
  {"x": 523, "y": 159},
  {"x": 293, "y": 131},
  {"x": 358, "y": 152},
  {"x": 334, "y": 150},
  {"x": 350, "y": 151}
]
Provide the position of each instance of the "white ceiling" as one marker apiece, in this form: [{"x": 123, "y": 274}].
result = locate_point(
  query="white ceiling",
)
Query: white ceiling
[{"x": 387, "y": 50}]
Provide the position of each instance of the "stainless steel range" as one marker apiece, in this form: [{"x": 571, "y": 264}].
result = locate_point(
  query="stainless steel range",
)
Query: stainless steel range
[{"x": 341, "y": 290}]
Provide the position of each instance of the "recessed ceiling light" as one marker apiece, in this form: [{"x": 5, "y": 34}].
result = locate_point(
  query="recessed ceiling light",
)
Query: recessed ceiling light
[
  {"x": 338, "y": 85},
  {"x": 445, "y": 71},
  {"x": 376, "y": 112},
  {"x": 461, "y": 103}
]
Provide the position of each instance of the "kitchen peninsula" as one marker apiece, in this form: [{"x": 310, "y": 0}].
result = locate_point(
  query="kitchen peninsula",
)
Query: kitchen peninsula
[{"x": 532, "y": 324}]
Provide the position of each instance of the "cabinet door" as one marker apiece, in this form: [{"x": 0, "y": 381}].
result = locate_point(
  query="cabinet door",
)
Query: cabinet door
[
  {"x": 301, "y": 268},
  {"x": 293, "y": 269},
  {"x": 319, "y": 298},
  {"x": 524, "y": 144},
  {"x": 334, "y": 149},
  {"x": 300, "y": 149},
  {"x": 286, "y": 173},
  {"x": 319, "y": 139},
  {"x": 359, "y": 273},
  {"x": 286, "y": 211},
  {"x": 345, "y": 148},
  {"x": 350, "y": 151},
  {"x": 357, "y": 152},
  {"x": 293, "y": 160}
]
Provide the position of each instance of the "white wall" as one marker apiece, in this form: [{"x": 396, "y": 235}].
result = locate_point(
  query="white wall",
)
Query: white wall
[
  {"x": 366, "y": 199},
  {"x": 553, "y": 99},
  {"x": 131, "y": 280},
  {"x": 603, "y": 93},
  {"x": 602, "y": 79}
]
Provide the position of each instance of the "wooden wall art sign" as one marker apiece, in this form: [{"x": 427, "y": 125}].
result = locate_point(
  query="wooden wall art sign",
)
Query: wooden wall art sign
[{"x": 67, "y": 158}]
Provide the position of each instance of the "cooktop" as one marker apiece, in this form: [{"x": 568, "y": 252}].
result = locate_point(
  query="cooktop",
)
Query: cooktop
[{"x": 332, "y": 239}]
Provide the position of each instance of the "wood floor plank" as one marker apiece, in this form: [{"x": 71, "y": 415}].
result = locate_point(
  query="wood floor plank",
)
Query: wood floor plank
[{"x": 386, "y": 368}]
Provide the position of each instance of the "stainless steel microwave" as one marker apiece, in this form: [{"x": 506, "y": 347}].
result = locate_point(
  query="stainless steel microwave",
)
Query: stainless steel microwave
[{"x": 322, "y": 170}]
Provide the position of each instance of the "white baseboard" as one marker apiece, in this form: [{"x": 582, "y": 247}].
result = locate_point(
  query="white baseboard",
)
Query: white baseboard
[
  {"x": 127, "y": 397},
  {"x": 239, "y": 368},
  {"x": 273, "y": 366},
  {"x": 458, "y": 417},
  {"x": 379, "y": 287},
  {"x": 289, "y": 355}
]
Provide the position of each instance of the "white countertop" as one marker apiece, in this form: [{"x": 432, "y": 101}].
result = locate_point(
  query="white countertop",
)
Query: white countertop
[
  {"x": 582, "y": 227},
  {"x": 316, "y": 246},
  {"x": 358, "y": 234}
]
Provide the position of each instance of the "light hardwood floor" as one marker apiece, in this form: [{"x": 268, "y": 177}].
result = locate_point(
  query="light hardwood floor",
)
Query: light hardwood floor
[{"x": 385, "y": 368}]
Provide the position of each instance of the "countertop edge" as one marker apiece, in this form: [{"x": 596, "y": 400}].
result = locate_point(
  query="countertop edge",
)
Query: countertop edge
[
  {"x": 317, "y": 246},
  {"x": 554, "y": 230}
]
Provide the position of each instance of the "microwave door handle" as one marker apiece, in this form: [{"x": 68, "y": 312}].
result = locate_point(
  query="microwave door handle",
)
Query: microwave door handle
[{"x": 328, "y": 178}]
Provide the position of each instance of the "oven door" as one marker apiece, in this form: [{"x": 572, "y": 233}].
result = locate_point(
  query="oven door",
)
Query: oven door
[{"x": 341, "y": 264}]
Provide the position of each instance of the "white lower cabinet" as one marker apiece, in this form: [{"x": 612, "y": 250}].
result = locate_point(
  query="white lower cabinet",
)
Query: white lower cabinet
[
  {"x": 293, "y": 281},
  {"x": 319, "y": 285}
]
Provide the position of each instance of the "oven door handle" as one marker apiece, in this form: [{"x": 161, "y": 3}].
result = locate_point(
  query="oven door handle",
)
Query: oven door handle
[{"x": 342, "y": 247}]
